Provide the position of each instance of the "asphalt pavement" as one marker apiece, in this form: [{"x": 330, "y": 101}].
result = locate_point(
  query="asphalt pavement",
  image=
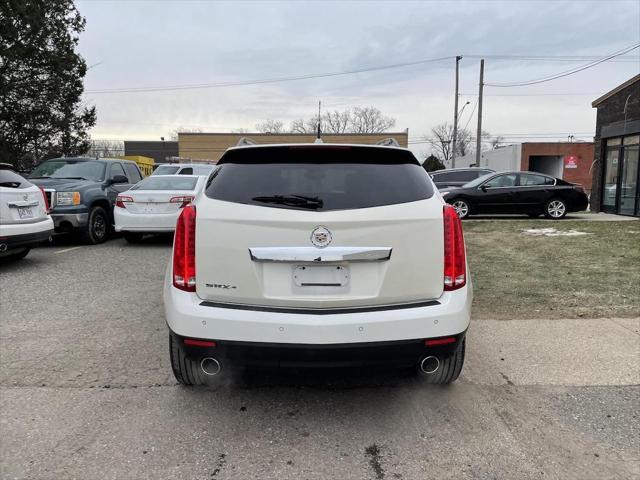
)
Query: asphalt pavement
[{"x": 86, "y": 392}]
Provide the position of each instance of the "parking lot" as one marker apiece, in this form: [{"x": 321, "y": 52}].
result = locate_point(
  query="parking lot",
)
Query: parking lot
[{"x": 87, "y": 392}]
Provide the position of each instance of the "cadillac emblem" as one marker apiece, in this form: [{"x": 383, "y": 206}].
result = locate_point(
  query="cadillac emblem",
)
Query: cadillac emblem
[{"x": 321, "y": 237}]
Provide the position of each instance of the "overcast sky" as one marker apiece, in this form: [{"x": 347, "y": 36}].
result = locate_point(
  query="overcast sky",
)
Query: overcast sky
[{"x": 166, "y": 43}]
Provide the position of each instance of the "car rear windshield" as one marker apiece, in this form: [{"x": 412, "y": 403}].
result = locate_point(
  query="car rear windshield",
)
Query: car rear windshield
[
  {"x": 164, "y": 182},
  {"x": 165, "y": 170},
  {"x": 319, "y": 178},
  {"x": 10, "y": 179}
]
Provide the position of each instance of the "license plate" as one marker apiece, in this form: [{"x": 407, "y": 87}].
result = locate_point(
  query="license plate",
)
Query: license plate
[
  {"x": 321, "y": 275},
  {"x": 25, "y": 212}
]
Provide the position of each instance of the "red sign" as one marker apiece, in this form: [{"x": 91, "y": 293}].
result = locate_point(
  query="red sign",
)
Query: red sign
[{"x": 571, "y": 161}]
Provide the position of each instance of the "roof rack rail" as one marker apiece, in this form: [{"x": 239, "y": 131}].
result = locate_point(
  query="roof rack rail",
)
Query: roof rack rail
[
  {"x": 244, "y": 141},
  {"x": 388, "y": 142}
]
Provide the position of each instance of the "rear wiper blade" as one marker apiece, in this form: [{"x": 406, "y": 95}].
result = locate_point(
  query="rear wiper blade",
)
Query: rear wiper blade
[
  {"x": 38, "y": 177},
  {"x": 294, "y": 200}
]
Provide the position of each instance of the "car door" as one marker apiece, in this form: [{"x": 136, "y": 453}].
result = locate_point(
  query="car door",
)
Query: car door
[
  {"x": 497, "y": 194},
  {"x": 533, "y": 192},
  {"x": 113, "y": 189}
]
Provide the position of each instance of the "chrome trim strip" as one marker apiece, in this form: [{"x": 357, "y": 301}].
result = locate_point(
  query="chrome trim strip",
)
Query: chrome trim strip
[{"x": 315, "y": 255}]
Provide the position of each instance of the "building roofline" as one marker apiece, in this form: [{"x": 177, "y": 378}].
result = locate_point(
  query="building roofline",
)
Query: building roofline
[
  {"x": 324, "y": 134},
  {"x": 610, "y": 93}
]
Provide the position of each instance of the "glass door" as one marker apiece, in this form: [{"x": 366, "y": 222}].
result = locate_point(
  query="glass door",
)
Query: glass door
[
  {"x": 610, "y": 183},
  {"x": 629, "y": 181}
]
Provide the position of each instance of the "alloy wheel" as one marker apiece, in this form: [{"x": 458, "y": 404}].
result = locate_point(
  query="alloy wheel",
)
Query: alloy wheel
[
  {"x": 462, "y": 209},
  {"x": 556, "y": 209}
]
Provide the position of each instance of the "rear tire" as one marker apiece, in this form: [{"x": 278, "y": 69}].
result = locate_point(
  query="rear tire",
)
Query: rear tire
[
  {"x": 555, "y": 209},
  {"x": 187, "y": 371},
  {"x": 132, "y": 237},
  {"x": 449, "y": 369},
  {"x": 97, "y": 229},
  {"x": 13, "y": 256}
]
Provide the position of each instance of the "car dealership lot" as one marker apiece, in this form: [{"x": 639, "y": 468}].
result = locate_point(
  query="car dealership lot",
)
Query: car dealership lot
[{"x": 86, "y": 391}]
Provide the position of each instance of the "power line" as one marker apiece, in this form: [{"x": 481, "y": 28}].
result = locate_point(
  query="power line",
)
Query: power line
[
  {"x": 538, "y": 94},
  {"x": 567, "y": 72},
  {"x": 265, "y": 80}
]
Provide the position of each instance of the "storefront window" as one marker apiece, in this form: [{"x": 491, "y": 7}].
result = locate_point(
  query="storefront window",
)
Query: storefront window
[
  {"x": 632, "y": 140},
  {"x": 629, "y": 181},
  {"x": 610, "y": 177},
  {"x": 613, "y": 142}
]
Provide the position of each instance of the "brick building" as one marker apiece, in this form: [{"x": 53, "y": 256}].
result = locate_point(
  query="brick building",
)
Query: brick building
[
  {"x": 616, "y": 176},
  {"x": 570, "y": 161},
  {"x": 211, "y": 146}
]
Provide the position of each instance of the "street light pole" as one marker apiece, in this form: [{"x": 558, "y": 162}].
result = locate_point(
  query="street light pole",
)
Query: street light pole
[{"x": 479, "y": 132}]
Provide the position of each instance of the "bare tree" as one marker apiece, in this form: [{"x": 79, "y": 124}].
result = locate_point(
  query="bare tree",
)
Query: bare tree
[
  {"x": 270, "y": 126},
  {"x": 441, "y": 140},
  {"x": 309, "y": 126},
  {"x": 336, "y": 122},
  {"x": 173, "y": 135},
  {"x": 351, "y": 120},
  {"x": 369, "y": 120},
  {"x": 106, "y": 148}
]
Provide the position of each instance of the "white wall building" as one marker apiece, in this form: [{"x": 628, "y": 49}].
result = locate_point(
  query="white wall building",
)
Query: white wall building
[{"x": 502, "y": 159}]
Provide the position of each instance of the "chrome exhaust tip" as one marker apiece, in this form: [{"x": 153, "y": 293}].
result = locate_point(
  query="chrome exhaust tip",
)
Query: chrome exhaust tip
[
  {"x": 210, "y": 366},
  {"x": 429, "y": 365}
]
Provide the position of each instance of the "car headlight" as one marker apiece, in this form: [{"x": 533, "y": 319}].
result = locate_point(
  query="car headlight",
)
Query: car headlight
[{"x": 68, "y": 198}]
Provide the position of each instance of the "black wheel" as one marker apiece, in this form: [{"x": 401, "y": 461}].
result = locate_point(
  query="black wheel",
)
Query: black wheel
[
  {"x": 132, "y": 237},
  {"x": 462, "y": 207},
  {"x": 189, "y": 372},
  {"x": 97, "y": 230},
  {"x": 447, "y": 370},
  {"x": 555, "y": 209}
]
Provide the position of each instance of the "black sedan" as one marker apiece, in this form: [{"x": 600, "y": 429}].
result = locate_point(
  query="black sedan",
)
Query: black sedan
[{"x": 529, "y": 193}]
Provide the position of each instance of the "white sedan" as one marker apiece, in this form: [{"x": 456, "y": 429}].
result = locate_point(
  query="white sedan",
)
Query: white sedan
[
  {"x": 154, "y": 204},
  {"x": 24, "y": 215}
]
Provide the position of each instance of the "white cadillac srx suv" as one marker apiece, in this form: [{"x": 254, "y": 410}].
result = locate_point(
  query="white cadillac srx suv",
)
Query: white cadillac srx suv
[{"x": 317, "y": 255}]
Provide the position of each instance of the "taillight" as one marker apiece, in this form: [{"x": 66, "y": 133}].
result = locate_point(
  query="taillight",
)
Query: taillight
[
  {"x": 184, "y": 250},
  {"x": 122, "y": 200},
  {"x": 47, "y": 207},
  {"x": 183, "y": 200},
  {"x": 455, "y": 264}
]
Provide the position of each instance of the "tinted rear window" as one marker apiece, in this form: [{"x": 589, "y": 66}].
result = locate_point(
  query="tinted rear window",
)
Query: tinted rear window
[
  {"x": 164, "y": 182},
  {"x": 10, "y": 179},
  {"x": 341, "y": 179},
  {"x": 162, "y": 170}
]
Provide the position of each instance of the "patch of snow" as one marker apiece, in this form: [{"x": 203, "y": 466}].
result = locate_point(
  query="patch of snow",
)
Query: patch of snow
[{"x": 553, "y": 232}]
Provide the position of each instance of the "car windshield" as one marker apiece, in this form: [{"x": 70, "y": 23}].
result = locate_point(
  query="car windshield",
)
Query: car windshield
[
  {"x": 478, "y": 181},
  {"x": 166, "y": 182},
  {"x": 69, "y": 168},
  {"x": 166, "y": 170}
]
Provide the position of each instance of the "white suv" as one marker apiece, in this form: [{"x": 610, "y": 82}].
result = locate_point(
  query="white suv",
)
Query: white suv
[
  {"x": 24, "y": 215},
  {"x": 318, "y": 254}
]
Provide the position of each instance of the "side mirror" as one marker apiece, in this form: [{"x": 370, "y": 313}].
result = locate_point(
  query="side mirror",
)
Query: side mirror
[
  {"x": 484, "y": 188},
  {"x": 119, "y": 179}
]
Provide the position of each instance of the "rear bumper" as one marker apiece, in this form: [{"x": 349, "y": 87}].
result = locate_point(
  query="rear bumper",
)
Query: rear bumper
[
  {"x": 403, "y": 353},
  {"x": 25, "y": 235},
  {"x": 188, "y": 316},
  {"x": 139, "y": 222}
]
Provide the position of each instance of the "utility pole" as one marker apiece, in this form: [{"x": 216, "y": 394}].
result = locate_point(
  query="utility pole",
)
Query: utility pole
[
  {"x": 479, "y": 133},
  {"x": 455, "y": 116}
]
